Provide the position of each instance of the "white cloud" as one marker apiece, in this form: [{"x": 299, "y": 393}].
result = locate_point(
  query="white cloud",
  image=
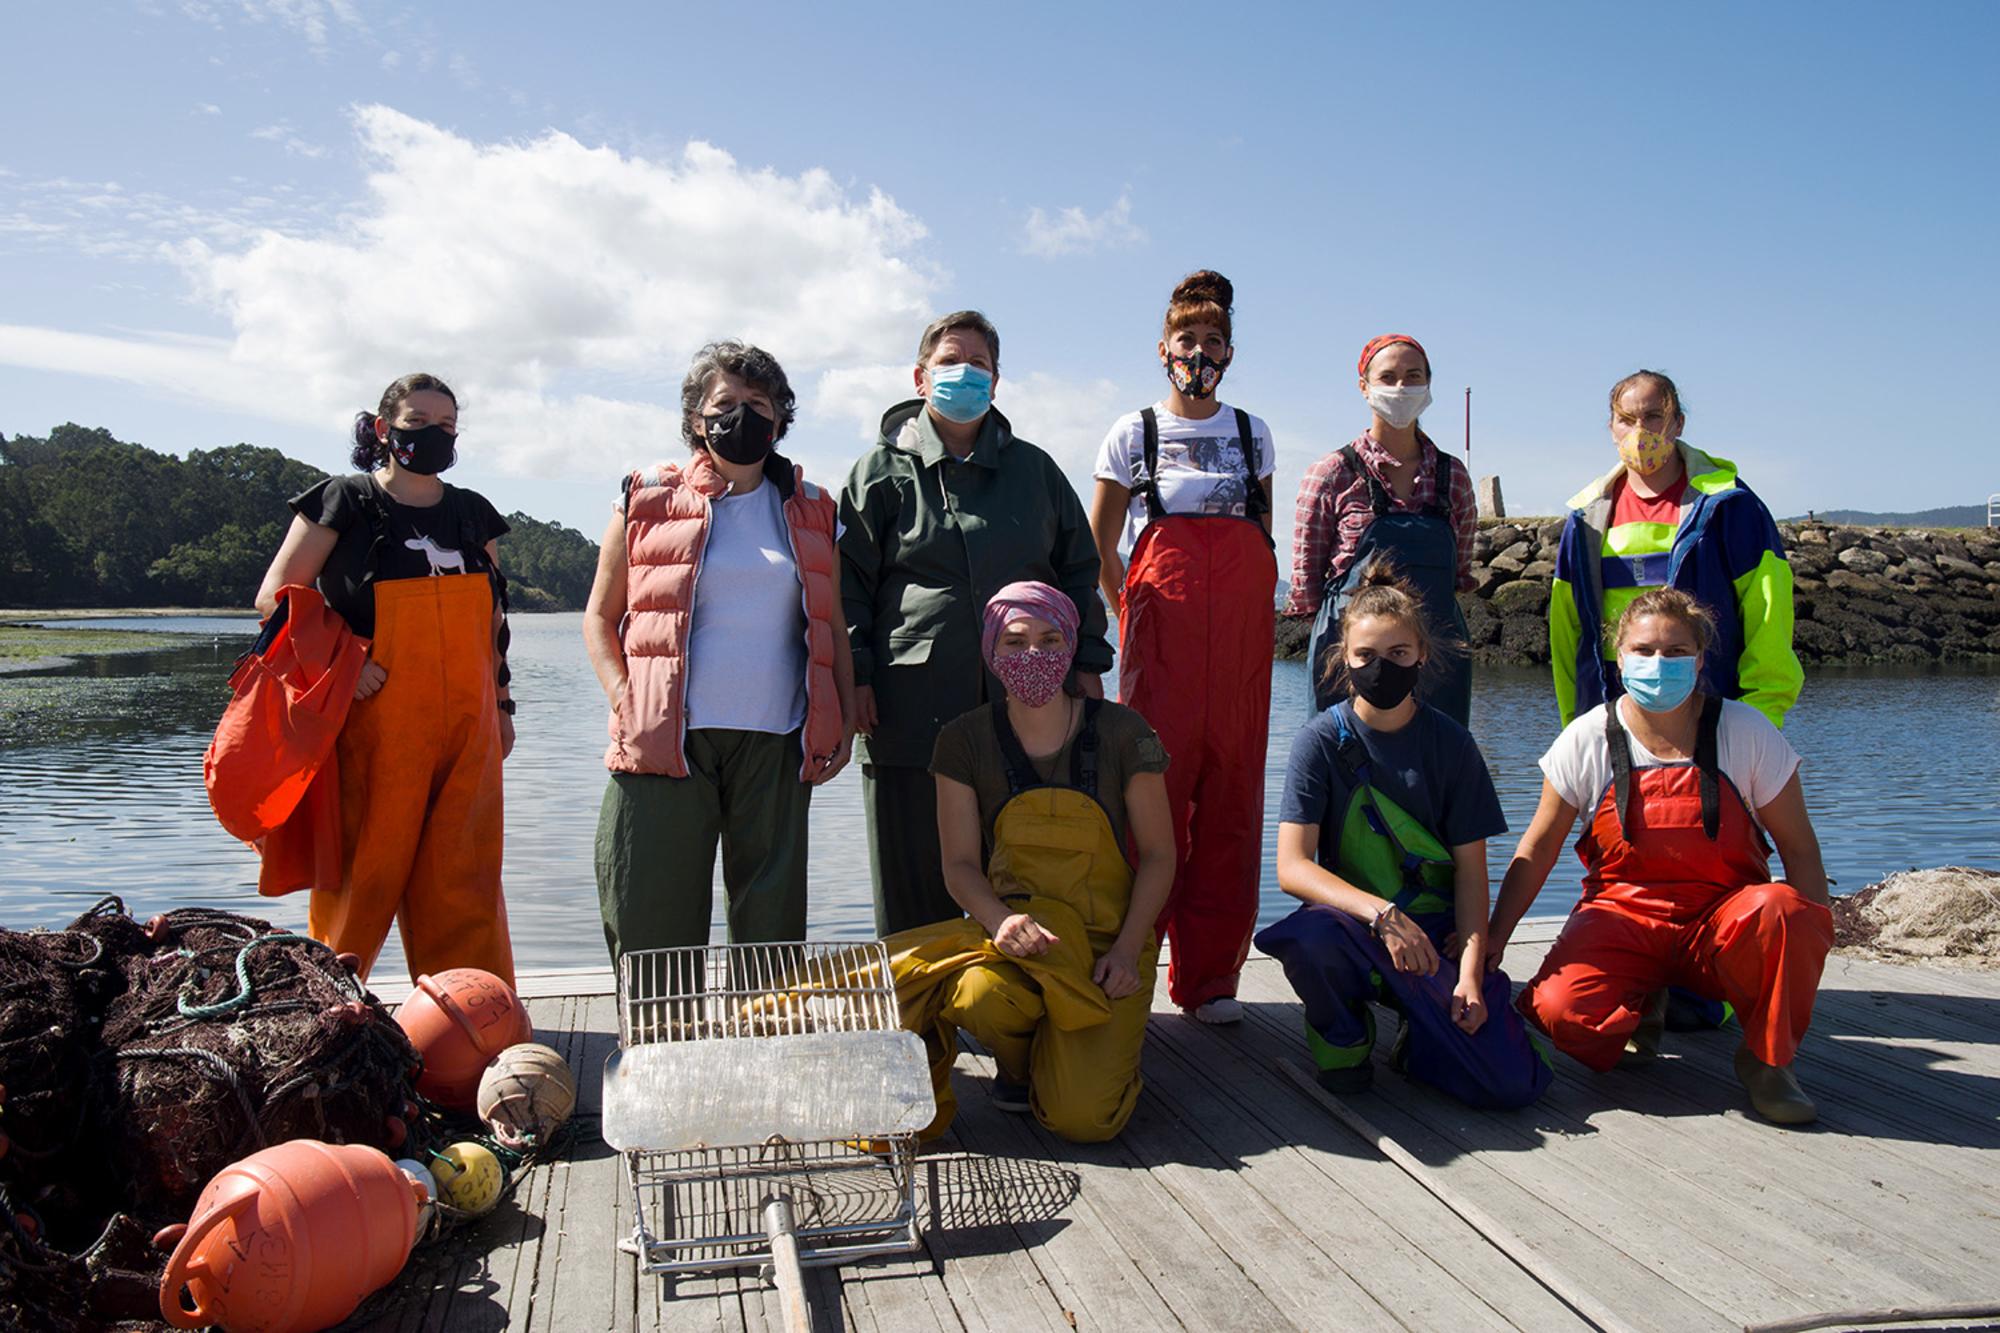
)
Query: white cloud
[
  {"x": 1067, "y": 418},
  {"x": 561, "y": 288},
  {"x": 311, "y": 19},
  {"x": 288, "y": 138},
  {"x": 1071, "y": 231},
  {"x": 207, "y": 109}
]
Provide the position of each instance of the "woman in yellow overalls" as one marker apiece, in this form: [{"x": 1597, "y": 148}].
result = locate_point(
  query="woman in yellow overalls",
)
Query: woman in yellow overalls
[
  {"x": 1053, "y": 969},
  {"x": 412, "y": 565}
]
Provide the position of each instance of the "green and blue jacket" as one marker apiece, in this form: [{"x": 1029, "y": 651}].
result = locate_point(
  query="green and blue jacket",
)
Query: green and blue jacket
[{"x": 1725, "y": 551}]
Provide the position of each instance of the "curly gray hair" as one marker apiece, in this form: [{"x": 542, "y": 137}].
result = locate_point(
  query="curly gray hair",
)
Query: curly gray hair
[{"x": 753, "y": 365}]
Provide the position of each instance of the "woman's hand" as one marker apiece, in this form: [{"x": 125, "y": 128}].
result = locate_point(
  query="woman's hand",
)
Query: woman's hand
[
  {"x": 1021, "y": 936},
  {"x": 1496, "y": 949},
  {"x": 1409, "y": 948},
  {"x": 506, "y": 735},
  {"x": 835, "y": 761},
  {"x": 1117, "y": 973},
  {"x": 1468, "y": 1004},
  {"x": 866, "y": 718},
  {"x": 373, "y": 677}
]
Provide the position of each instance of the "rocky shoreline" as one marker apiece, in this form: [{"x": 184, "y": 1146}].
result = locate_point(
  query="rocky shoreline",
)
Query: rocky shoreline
[{"x": 1902, "y": 595}]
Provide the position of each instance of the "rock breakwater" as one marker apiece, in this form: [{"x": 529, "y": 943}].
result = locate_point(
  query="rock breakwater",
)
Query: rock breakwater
[{"x": 1901, "y": 595}]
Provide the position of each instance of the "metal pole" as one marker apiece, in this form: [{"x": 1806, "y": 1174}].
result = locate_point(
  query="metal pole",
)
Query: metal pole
[
  {"x": 1468, "y": 430},
  {"x": 785, "y": 1270}
]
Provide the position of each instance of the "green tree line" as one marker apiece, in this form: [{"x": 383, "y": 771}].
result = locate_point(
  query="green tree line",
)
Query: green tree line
[{"x": 89, "y": 520}]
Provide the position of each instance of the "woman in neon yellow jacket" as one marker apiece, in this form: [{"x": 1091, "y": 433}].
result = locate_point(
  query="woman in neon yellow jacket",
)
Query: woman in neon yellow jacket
[{"x": 1670, "y": 515}]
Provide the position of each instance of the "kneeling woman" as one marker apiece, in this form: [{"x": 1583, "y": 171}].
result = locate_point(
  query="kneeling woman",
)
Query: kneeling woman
[
  {"x": 1382, "y": 833},
  {"x": 1053, "y": 972},
  {"x": 1677, "y": 886}
]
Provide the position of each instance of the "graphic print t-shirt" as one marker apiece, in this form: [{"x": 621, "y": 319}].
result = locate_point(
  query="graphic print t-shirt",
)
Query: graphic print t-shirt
[
  {"x": 1201, "y": 465},
  {"x": 448, "y": 537}
]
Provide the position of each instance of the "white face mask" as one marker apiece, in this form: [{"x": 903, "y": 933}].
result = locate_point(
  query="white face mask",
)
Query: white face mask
[{"x": 1399, "y": 405}]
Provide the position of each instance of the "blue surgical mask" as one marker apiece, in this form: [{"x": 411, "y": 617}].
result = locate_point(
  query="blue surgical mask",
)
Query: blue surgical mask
[
  {"x": 960, "y": 393},
  {"x": 1659, "y": 684}
]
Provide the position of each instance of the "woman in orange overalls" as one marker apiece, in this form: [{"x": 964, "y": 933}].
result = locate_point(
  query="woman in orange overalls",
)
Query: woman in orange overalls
[
  {"x": 1677, "y": 886},
  {"x": 412, "y": 565}
]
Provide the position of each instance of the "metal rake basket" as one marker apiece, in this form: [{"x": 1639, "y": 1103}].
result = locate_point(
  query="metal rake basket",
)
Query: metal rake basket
[{"x": 766, "y": 1100}]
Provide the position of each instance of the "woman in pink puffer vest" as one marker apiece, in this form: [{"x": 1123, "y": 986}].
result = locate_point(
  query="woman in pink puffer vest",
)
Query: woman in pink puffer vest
[{"x": 715, "y": 629}]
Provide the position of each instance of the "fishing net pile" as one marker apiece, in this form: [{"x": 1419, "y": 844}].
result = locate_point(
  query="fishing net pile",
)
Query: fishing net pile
[
  {"x": 137, "y": 1060},
  {"x": 1951, "y": 914}
]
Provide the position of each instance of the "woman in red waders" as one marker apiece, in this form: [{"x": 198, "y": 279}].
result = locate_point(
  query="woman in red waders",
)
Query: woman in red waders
[
  {"x": 412, "y": 564},
  {"x": 1677, "y": 886},
  {"x": 1182, "y": 517}
]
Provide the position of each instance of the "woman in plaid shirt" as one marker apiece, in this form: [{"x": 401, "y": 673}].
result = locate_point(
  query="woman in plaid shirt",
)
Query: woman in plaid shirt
[{"x": 1391, "y": 494}]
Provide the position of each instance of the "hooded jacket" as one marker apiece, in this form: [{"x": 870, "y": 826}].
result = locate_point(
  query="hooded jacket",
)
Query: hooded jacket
[
  {"x": 1725, "y": 551},
  {"x": 926, "y": 538}
]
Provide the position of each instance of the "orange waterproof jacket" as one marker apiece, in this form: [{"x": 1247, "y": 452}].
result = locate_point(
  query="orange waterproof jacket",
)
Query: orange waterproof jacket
[
  {"x": 667, "y": 517},
  {"x": 271, "y": 774}
]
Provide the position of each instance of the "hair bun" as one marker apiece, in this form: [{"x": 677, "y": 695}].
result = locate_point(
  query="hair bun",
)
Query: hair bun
[{"x": 1205, "y": 285}]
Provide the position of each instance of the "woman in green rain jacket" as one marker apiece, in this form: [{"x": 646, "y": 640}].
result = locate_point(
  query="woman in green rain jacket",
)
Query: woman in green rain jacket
[{"x": 944, "y": 511}]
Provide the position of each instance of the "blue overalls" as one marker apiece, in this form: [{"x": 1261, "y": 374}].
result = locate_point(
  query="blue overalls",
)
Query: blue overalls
[
  {"x": 1336, "y": 964},
  {"x": 1424, "y": 548}
]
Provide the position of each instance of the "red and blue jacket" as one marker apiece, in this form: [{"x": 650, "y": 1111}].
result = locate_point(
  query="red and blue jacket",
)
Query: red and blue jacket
[{"x": 1725, "y": 551}]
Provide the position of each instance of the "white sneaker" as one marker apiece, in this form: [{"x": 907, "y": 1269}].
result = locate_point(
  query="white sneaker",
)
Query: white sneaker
[{"x": 1221, "y": 1009}]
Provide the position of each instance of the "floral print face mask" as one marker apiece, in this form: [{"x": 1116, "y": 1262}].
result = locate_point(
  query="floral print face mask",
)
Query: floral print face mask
[{"x": 1035, "y": 675}]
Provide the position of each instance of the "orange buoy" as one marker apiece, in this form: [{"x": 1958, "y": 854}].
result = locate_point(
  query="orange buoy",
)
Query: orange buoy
[
  {"x": 290, "y": 1239},
  {"x": 458, "y": 1021}
]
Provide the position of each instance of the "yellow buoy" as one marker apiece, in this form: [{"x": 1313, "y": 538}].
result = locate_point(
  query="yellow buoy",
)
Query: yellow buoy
[{"x": 469, "y": 1177}]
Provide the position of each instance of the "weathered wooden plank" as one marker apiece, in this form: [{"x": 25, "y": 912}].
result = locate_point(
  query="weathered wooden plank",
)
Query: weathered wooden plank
[
  {"x": 1091, "y": 1278},
  {"x": 1291, "y": 1152}
]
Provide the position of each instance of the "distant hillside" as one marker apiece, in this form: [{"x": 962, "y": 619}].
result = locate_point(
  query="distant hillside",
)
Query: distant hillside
[
  {"x": 90, "y": 520},
  {"x": 1952, "y": 516}
]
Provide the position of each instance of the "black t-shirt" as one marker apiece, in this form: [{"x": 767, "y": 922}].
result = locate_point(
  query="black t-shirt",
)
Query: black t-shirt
[{"x": 381, "y": 539}]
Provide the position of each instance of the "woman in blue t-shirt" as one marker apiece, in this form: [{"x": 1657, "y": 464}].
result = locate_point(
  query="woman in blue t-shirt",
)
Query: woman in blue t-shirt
[{"x": 1382, "y": 835}]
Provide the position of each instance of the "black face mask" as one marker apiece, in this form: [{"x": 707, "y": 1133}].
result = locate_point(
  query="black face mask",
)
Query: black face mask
[
  {"x": 742, "y": 435},
  {"x": 1384, "y": 683},
  {"x": 427, "y": 450}
]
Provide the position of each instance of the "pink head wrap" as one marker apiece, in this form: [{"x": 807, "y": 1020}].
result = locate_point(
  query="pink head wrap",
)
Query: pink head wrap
[{"x": 1027, "y": 598}]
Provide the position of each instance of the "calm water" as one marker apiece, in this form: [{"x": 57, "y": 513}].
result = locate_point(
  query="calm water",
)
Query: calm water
[{"x": 101, "y": 792}]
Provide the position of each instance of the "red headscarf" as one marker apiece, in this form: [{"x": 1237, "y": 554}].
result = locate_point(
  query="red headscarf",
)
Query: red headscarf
[{"x": 1389, "y": 340}]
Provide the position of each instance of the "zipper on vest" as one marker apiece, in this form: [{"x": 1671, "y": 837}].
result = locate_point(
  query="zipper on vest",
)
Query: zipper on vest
[
  {"x": 805, "y": 605},
  {"x": 694, "y": 590}
]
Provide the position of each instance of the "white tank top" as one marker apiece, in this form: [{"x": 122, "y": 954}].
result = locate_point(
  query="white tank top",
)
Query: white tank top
[{"x": 747, "y": 640}]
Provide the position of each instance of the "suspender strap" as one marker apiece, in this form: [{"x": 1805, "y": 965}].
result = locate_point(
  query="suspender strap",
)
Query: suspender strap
[
  {"x": 1254, "y": 504},
  {"x": 1020, "y": 771},
  {"x": 1083, "y": 754},
  {"x": 1378, "y": 498},
  {"x": 1705, "y": 762},
  {"x": 1708, "y": 768},
  {"x": 1621, "y": 763},
  {"x": 1149, "y": 484}
]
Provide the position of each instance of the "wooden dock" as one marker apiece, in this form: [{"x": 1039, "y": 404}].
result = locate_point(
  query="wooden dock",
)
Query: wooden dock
[{"x": 1236, "y": 1200}]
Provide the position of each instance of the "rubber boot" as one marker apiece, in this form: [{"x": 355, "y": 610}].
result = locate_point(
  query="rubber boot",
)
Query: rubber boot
[{"x": 1774, "y": 1092}]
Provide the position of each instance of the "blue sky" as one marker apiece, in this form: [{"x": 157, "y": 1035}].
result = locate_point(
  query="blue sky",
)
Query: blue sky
[{"x": 230, "y": 220}]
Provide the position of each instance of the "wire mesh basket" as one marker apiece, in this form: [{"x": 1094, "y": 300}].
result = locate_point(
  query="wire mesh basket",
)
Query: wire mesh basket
[{"x": 752, "y": 1074}]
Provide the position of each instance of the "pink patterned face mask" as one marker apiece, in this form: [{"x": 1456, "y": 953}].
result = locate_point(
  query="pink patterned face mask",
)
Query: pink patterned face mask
[{"x": 1036, "y": 675}]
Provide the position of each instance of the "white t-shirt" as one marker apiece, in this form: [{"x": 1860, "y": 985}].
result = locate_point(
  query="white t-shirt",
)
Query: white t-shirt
[
  {"x": 1201, "y": 464},
  {"x": 747, "y": 642},
  {"x": 1751, "y": 752}
]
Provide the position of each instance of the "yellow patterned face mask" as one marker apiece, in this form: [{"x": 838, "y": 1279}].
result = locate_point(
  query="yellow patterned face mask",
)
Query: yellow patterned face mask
[{"x": 1645, "y": 451}]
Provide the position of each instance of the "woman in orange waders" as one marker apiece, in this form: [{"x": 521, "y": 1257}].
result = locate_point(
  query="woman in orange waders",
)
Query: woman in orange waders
[
  {"x": 1053, "y": 970},
  {"x": 1182, "y": 517},
  {"x": 412, "y": 564},
  {"x": 1677, "y": 886}
]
